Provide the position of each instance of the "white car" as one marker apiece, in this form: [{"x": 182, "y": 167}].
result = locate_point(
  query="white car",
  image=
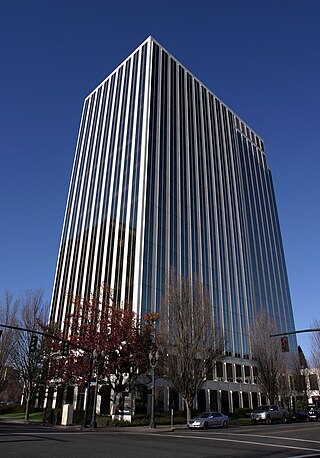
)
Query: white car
[{"x": 209, "y": 420}]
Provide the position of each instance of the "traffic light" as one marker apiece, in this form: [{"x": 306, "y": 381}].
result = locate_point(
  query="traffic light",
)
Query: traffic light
[
  {"x": 284, "y": 343},
  {"x": 33, "y": 344},
  {"x": 65, "y": 348}
]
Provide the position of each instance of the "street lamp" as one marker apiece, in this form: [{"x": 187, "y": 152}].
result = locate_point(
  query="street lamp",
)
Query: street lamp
[
  {"x": 93, "y": 423},
  {"x": 153, "y": 359},
  {"x": 121, "y": 396},
  {"x": 88, "y": 391}
]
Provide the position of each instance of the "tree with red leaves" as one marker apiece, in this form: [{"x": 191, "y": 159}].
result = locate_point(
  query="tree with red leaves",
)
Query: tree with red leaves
[{"x": 113, "y": 334}]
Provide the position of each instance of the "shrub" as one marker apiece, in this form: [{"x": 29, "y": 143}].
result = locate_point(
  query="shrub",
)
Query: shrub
[
  {"x": 243, "y": 412},
  {"x": 301, "y": 405},
  {"x": 141, "y": 420},
  {"x": 11, "y": 408},
  {"x": 78, "y": 417},
  {"x": 6, "y": 409},
  {"x": 163, "y": 418}
]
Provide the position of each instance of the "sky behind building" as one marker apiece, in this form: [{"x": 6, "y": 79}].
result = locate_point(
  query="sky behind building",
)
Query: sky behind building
[{"x": 260, "y": 58}]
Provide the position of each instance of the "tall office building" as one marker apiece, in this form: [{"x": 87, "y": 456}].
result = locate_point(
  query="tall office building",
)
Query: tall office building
[{"x": 166, "y": 176}]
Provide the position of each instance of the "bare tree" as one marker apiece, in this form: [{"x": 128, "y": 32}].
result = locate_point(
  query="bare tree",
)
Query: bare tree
[
  {"x": 302, "y": 359},
  {"x": 299, "y": 371},
  {"x": 30, "y": 365},
  {"x": 267, "y": 353},
  {"x": 8, "y": 312},
  {"x": 291, "y": 382},
  {"x": 188, "y": 340},
  {"x": 315, "y": 345}
]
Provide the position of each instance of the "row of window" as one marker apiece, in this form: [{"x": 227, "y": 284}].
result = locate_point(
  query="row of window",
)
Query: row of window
[
  {"x": 209, "y": 205},
  {"x": 104, "y": 190},
  {"x": 249, "y": 133}
]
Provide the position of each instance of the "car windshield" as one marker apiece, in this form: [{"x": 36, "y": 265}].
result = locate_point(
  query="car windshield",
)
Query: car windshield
[
  {"x": 261, "y": 408},
  {"x": 204, "y": 415}
]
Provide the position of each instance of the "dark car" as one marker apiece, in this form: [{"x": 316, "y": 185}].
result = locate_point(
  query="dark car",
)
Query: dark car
[
  {"x": 313, "y": 415},
  {"x": 269, "y": 414},
  {"x": 298, "y": 416}
]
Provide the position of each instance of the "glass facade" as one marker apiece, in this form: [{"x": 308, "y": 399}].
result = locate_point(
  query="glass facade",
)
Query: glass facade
[{"x": 167, "y": 176}]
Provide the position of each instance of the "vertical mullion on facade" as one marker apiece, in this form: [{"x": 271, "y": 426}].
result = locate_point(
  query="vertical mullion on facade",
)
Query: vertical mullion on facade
[
  {"x": 95, "y": 277},
  {"x": 165, "y": 175},
  {"x": 66, "y": 221},
  {"x": 70, "y": 270},
  {"x": 126, "y": 276}
]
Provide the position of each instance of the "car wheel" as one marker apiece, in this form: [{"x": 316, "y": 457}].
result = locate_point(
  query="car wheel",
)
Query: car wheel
[
  {"x": 225, "y": 424},
  {"x": 269, "y": 421},
  {"x": 284, "y": 419},
  {"x": 205, "y": 425}
]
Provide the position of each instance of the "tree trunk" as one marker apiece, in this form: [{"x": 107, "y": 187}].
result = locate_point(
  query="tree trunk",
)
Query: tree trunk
[
  {"x": 113, "y": 403},
  {"x": 27, "y": 409},
  {"x": 271, "y": 398},
  {"x": 188, "y": 405}
]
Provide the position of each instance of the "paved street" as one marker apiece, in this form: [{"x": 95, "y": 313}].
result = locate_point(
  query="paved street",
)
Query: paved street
[{"x": 294, "y": 440}]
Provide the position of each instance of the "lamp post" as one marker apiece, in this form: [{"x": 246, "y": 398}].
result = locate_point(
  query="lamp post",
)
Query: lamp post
[
  {"x": 172, "y": 407},
  {"x": 93, "y": 423},
  {"x": 153, "y": 359},
  {"x": 88, "y": 391}
]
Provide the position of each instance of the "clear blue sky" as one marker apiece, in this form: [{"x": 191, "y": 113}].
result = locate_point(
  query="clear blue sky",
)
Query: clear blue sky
[{"x": 261, "y": 57}]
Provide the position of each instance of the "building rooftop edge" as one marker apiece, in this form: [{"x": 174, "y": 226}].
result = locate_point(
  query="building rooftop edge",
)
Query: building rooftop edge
[{"x": 150, "y": 38}]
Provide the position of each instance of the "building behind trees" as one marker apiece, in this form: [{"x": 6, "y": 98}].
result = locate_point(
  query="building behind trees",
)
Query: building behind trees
[{"x": 166, "y": 176}]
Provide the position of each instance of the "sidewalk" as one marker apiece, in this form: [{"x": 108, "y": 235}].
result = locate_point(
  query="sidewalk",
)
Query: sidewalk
[
  {"x": 133, "y": 429},
  {"x": 144, "y": 429}
]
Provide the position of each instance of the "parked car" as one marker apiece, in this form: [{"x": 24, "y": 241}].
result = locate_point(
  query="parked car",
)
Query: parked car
[
  {"x": 313, "y": 415},
  {"x": 298, "y": 416},
  {"x": 269, "y": 414},
  {"x": 209, "y": 420}
]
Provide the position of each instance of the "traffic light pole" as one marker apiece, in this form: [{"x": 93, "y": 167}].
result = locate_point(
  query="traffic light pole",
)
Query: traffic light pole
[
  {"x": 18, "y": 328},
  {"x": 45, "y": 334},
  {"x": 294, "y": 332},
  {"x": 284, "y": 340},
  {"x": 79, "y": 347}
]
